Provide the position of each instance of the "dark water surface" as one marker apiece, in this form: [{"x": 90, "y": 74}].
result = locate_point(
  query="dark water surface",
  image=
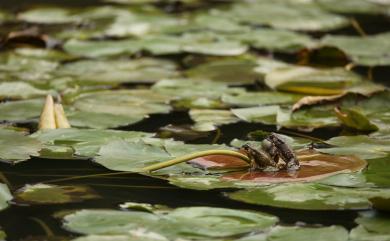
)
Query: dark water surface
[{"x": 22, "y": 221}]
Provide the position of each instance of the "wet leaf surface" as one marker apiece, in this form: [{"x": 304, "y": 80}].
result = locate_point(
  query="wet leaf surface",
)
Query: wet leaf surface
[
  {"x": 191, "y": 222},
  {"x": 16, "y": 147},
  {"x": 310, "y": 196}
]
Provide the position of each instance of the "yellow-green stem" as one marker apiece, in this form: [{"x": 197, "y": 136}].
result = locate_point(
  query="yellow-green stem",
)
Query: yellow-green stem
[{"x": 194, "y": 155}]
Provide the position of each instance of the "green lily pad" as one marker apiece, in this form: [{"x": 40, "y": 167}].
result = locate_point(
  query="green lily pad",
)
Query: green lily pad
[
  {"x": 310, "y": 196},
  {"x": 354, "y": 119},
  {"x": 131, "y": 103},
  {"x": 16, "y": 147},
  {"x": 305, "y": 16},
  {"x": 133, "y": 155},
  {"x": 37, "y": 71},
  {"x": 134, "y": 237},
  {"x": 5, "y": 196},
  {"x": 355, "y": 6},
  {"x": 100, "y": 120},
  {"x": 307, "y": 80},
  {"x": 20, "y": 90},
  {"x": 275, "y": 40},
  {"x": 227, "y": 70},
  {"x": 208, "y": 120},
  {"x": 363, "y": 146},
  {"x": 53, "y": 194},
  {"x": 186, "y": 223},
  {"x": 368, "y": 51},
  {"x": 262, "y": 114},
  {"x": 145, "y": 70},
  {"x": 19, "y": 111},
  {"x": 280, "y": 233},
  {"x": 372, "y": 226},
  {"x": 72, "y": 143},
  {"x": 377, "y": 172},
  {"x": 246, "y": 99},
  {"x": 49, "y": 16}
]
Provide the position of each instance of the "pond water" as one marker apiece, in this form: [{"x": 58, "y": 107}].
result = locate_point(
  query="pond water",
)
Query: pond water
[{"x": 21, "y": 222}]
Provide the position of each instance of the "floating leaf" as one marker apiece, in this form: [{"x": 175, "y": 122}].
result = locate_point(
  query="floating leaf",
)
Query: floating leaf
[
  {"x": 187, "y": 223},
  {"x": 264, "y": 114},
  {"x": 20, "y": 90},
  {"x": 245, "y": 99},
  {"x": 354, "y": 6},
  {"x": 100, "y": 120},
  {"x": 16, "y": 147},
  {"x": 21, "y": 111},
  {"x": 305, "y": 16},
  {"x": 227, "y": 70},
  {"x": 310, "y": 196},
  {"x": 372, "y": 226},
  {"x": 314, "y": 166},
  {"x": 307, "y": 80},
  {"x": 361, "y": 145},
  {"x": 208, "y": 120},
  {"x": 368, "y": 51},
  {"x": 280, "y": 233},
  {"x": 354, "y": 119},
  {"x": 49, "y": 16},
  {"x": 53, "y": 194},
  {"x": 275, "y": 39},
  {"x": 131, "y": 103},
  {"x": 145, "y": 70}
]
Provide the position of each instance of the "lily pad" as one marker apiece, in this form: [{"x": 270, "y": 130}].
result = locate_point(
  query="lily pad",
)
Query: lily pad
[
  {"x": 363, "y": 146},
  {"x": 305, "y": 16},
  {"x": 20, "y": 90},
  {"x": 314, "y": 166},
  {"x": 16, "y": 147},
  {"x": 100, "y": 120},
  {"x": 49, "y": 16},
  {"x": 187, "y": 223},
  {"x": 276, "y": 40},
  {"x": 369, "y": 51},
  {"x": 280, "y": 233},
  {"x": 5, "y": 196},
  {"x": 310, "y": 196},
  {"x": 21, "y": 111},
  {"x": 354, "y": 6},
  {"x": 208, "y": 120},
  {"x": 53, "y": 194},
  {"x": 145, "y": 70},
  {"x": 76, "y": 143},
  {"x": 238, "y": 70},
  {"x": 131, "y": 103},
  {"x": 246, "y": 99},
  {"x": 372, "y": 226},
  {"x": 307, "y": 80}
]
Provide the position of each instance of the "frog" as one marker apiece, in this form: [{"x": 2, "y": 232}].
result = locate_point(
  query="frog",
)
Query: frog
[{"x": 274, "y": 154}]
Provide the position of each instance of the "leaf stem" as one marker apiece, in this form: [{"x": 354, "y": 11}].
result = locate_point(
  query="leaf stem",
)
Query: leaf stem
[{"x": 194, "y": 155}]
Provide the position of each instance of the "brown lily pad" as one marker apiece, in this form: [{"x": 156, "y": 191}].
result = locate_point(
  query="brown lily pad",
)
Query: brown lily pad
[{"x": 314, "y": 166}]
